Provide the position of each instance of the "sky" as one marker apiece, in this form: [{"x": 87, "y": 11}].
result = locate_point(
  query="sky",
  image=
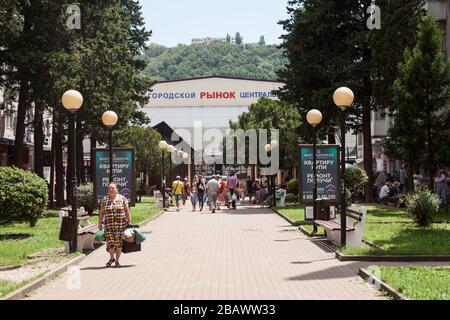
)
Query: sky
[{"x": 178, "y": 21}]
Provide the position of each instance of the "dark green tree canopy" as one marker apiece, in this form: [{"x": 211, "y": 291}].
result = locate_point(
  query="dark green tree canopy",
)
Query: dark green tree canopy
[
  {"x": 420, "y": 109},
  {"x": 213, "y": 59}
]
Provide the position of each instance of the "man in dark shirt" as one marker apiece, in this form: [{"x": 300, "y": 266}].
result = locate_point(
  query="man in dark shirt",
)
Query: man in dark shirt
[{"x": 249, "y": 188}]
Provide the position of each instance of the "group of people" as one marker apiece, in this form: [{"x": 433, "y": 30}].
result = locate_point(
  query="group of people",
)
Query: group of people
[
  {"x": 218, "y": 190},
  {"x": 391, "y": 188},
  {"x": 214, "y": 192}
]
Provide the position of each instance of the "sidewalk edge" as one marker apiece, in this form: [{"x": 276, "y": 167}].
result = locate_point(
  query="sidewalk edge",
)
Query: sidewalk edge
[
  {"x": 381, "y": 286},
  {"x": 143, "y": 223},
  {"x": 21, "y": 292}
]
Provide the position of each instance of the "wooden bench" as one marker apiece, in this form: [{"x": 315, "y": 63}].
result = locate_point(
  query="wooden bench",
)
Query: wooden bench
[
  {"x": 354, "y": 229},
  {"x": 85, "y": 235}
]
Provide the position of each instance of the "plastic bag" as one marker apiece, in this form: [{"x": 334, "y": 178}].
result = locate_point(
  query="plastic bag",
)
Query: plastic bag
[
  {"x": 100, "y": 236},
  {"x": 128, "y": 235},
  {"x": 139, "y": 237}
]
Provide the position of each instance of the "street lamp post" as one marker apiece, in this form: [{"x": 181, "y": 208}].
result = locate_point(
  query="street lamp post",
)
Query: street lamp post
[
  {"x": 109, "y": 119},
  {"x": 269, "y": 147},
  {"x": 314, "y": 117},
  {"x": 163, "y": 146},
  {"x": 343, "y": 98},
  {"x": 72, "y": 101}
]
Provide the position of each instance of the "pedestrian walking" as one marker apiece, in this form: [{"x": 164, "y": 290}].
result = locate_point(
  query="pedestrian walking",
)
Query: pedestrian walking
[
  {"x": 212, "y": 189},
  {"x": 232, "y": 184},
  {"x": 114, "y": 218},
  {"x": 186, "y": 190},
  {"x": 177, "y": 191},
  {"x": 222, "y": 196},
  {"x": 194, "y": 194},
  {"x": 249, "y": 188},
  {"x": 201, "y": 187}
]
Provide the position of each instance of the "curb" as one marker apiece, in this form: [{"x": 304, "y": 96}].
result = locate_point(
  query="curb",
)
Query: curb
[
  {"x": 382, "y": 286},
  {"x": 309, "y": 234},
  {"x": 405, "y": 258},
  {"x": 21, "y": 293},
  {"x": 289, "y": 220},
  {"x": 143, "y": 223}
]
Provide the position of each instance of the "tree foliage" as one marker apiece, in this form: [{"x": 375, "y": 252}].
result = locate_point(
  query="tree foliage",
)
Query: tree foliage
[
  {"x": 213, "y": 59},
  {"x": 272, "y": 114},
  {"x": 420, "y": 111},
  {"x": 323, "y": 47},
  {"x": 145, "y": 142}
]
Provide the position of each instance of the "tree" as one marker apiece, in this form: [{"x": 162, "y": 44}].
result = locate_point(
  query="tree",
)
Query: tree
[
  {"x": 262, "y": 41},
  {"x": 228, "y": 38},
  {"x": 272, "y": 114},
  {"x": 238, "y": 39},
  {"x": 217, "y": 58},
  {"x": 145, "y": 142},
  {"x": 420, "y": 110},
  {"x": 323, "y": 48}
]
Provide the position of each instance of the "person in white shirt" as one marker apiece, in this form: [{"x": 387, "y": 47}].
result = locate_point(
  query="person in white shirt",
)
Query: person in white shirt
[
  {"x": 212, "y": 188},
  {"x": 384, "y": 192}
]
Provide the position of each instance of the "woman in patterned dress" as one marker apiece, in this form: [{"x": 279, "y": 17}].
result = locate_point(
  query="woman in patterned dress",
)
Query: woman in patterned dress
[{"x": 115, "y": 212}]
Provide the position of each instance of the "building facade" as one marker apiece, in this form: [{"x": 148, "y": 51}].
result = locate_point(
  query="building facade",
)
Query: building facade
[{"x": 198, "y": 106}]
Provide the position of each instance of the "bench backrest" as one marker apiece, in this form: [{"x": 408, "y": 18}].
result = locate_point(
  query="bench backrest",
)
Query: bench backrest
[{"x": 358, "y": 215}]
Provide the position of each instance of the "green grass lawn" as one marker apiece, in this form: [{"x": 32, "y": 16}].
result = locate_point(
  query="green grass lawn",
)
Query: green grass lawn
[
  {"x": 295, "y": 213},
  {"x": 404, "y": 239},
  {"x": 392, "y": 230},
  {"x": 376, "y": 214},
  {"x": 18, "y": 241},
  {"x": 7, "y": 287},
  {"x": 144, "y": 210},
  {"x": 419, "y": 283}
]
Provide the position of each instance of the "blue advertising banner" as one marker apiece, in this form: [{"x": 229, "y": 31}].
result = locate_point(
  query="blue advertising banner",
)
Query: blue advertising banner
[
  {"x": 123, "y": 173},
  {"x": 328, "y": 179}
]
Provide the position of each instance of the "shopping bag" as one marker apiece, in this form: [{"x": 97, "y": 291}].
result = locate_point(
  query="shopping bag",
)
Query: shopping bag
[
  {"x": 139, "y": 236},
  {"x": 130, "y": 247},
  {"x": 100, "y": 236}
]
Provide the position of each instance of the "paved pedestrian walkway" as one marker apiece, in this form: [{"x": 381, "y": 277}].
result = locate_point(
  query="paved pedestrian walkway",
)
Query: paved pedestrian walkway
[{"x": 249, "y": 253}]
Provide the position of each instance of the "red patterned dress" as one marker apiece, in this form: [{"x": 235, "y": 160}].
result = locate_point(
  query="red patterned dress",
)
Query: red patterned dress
[{"x": 115, "y": 221}]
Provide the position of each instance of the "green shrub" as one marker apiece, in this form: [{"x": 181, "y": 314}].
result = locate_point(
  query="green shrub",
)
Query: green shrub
[
  {"x": 292, "y": 186},
  {"x": 85, "y": 197},
  {"x": 421, "y": 206},
  {"x": 355, "y": 180},
  {"x": 23, "y": 196}
]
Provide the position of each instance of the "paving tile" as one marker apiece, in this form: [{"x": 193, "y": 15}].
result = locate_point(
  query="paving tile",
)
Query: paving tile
[{"x": 240, "y": 254}]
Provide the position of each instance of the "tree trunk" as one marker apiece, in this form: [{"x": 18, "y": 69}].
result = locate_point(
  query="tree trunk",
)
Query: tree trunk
[
  {"x": 80, "y": 155},
  {"x": 368, "y": 161},
  {"x": 331, "y": 138},
  {"x": 51, "y": 185},
  {"x": 92, "y": 169},
  {"x": 430, "y": 152},
  {"x": 38, "y": 139},
  {"x": 410, "y": 182},
  {"x": 20, "y": 125},
  {"x": 57, "y": 140}
]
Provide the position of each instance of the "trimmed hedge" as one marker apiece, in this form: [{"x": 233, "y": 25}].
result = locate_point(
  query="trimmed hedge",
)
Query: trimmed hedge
[{"x": 23, "y": 196}]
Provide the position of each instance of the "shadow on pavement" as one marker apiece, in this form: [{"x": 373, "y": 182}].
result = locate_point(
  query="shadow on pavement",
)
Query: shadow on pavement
[{"x": 105, "y": 267}]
